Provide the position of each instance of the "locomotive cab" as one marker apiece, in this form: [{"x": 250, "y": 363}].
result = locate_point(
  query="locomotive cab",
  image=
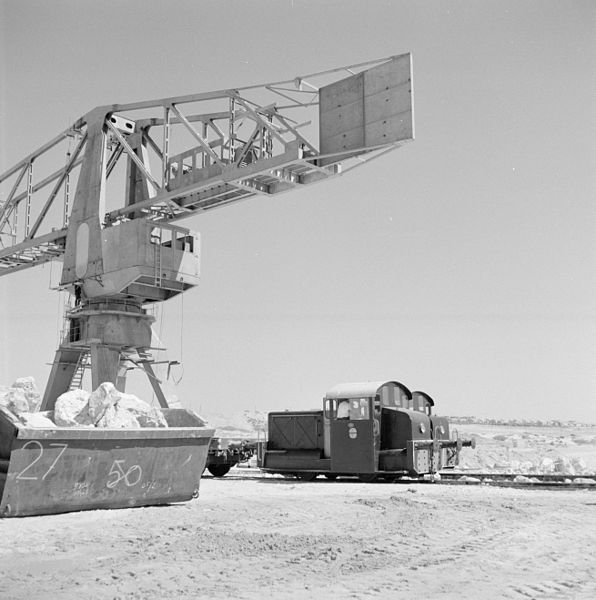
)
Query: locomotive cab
[
  {"x": 353, "y": 434},
  {"x": 371, "y": 428}
]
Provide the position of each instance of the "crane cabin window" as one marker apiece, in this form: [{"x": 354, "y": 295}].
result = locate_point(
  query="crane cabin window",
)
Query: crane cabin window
[
  {"x": 188, "y": 243},
  {"x": 176, "y": 239}
]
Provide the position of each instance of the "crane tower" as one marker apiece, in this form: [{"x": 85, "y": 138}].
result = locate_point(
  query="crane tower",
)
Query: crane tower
[{"x": 169, "y": 159}]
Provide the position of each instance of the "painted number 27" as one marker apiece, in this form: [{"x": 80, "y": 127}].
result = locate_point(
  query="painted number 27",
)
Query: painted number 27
[{"x": 35, "y": 444}]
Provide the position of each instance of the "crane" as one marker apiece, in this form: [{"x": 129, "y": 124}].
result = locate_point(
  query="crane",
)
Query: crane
[{"x": 169, "y": 159}]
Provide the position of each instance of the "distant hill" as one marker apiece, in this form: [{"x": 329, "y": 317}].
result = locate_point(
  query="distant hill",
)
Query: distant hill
[
  {"x": 250, "y": 422},
  {"x": 516, "y": 422}
]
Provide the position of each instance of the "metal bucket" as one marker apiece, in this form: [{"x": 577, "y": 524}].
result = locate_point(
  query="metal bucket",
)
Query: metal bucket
[{"x": 59, "y": 469}]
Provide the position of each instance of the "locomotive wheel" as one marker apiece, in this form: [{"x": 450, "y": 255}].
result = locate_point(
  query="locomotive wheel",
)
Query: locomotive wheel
[
  {"x": 218, "y": 470},
  {"x": 307, "y": 476},
  {"x": 331, "y": 476},
  {"x": 367, "y": 477}
]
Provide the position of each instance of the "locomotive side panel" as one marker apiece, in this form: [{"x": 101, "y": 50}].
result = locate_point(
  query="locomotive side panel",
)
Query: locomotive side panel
[
  {"x": 398, "y": 427},
  {"x": 296, "y": 430},
  {"x": 402, "y": 431}
]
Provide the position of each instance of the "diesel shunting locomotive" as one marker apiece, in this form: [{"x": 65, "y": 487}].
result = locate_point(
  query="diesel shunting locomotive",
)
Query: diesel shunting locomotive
[{"x": 372, "y": 430}]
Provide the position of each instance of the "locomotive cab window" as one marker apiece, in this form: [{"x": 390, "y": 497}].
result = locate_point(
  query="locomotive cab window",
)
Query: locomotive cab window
[
  {"x": 359, "y": 409},
  {"x": 343, "y": 409},
  {"x": 391, "y": 402},
  {"x": 354, "y": 409}
]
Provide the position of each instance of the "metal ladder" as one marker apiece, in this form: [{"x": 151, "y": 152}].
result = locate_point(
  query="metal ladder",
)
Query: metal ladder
[
  {"x": 157, "y": 239},
  {"x": 77, "y": 379}
]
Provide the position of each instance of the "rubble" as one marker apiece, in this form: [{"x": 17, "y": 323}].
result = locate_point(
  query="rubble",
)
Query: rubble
[
  {"x": 105, "y": 407},
  {"x": 14, "y": 399},
  {"x": 72, "y": 409},
  {"x": 27, "y": 384},
  {"x": 146, "y": 415},
  {"x": 468, "y": 479},
  {"x": 547, "y": 465},
  {"x": 37, "y": 419},
  {"x": 117, "y": 417},
  {"x": 524, "y": 479},
  {"x": 104, "y": 397},
  {"x": 563, "y": 465}
]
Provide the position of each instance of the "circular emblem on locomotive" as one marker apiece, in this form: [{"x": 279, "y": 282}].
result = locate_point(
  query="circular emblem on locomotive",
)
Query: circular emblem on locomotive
[{"x": 352, "y": 433}]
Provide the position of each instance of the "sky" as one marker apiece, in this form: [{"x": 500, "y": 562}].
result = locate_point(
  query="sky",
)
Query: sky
[{"x": 462, "y": 264}]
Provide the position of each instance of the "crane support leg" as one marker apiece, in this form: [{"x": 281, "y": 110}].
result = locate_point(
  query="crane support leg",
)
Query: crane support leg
[
  {"x": 155, "y": 384},
  {"x": 64, "y": 366},
  {"x": 105, "y": 365}
]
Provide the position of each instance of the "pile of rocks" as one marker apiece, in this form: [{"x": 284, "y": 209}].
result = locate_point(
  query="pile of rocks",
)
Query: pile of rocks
[
  {"x": 22, "y": 396},
  {"x": 105, "y": 407}
]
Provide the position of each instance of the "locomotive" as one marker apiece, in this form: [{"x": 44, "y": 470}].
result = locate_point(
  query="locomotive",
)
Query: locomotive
[{"x": 371, "y": 430}]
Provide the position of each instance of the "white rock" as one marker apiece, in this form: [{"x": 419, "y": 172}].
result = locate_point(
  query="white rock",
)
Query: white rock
[
  {"x": 37, "y": 419},
  {"x": 104, "y": 397},
  {"x": 502, "y": 465},
  {"x": 72, "y": 409},
  {"x": 116, "y": 417},
  {"x": 547, "y": 465},
  {"x": 578, "y": 464},
  {"x": 563, "y": 465},
  {"x": 27, "y": 384},
  {"x": 145, "y": 414},
  {"x": 585, "y": 440},
  {"x": 14, "y": 399}
]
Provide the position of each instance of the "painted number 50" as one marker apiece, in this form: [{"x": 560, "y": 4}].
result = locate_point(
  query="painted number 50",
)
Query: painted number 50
[{"x": 117, "y": 474}]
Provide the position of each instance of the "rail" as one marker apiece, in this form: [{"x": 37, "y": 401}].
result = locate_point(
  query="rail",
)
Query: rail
[{"x": 512, "y": 480}]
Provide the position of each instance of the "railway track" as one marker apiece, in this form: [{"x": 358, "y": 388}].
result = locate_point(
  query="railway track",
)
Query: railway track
[
  {"x": 513, "y": 480},
  {"x": 519, "y": 480}
]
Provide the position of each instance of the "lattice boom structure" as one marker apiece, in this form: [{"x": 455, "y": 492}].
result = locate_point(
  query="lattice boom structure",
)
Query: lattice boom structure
[{"x": 139, "y": 167}]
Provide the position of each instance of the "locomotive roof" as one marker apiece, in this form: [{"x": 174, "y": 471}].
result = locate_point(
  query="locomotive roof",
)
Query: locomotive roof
[
  {"x": 425, "y": 396},
  {"x": 364, "y": 389}
]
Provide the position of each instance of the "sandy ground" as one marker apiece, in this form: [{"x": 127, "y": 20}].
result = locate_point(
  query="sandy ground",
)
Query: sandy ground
[{"x": 250, "y": 538}]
